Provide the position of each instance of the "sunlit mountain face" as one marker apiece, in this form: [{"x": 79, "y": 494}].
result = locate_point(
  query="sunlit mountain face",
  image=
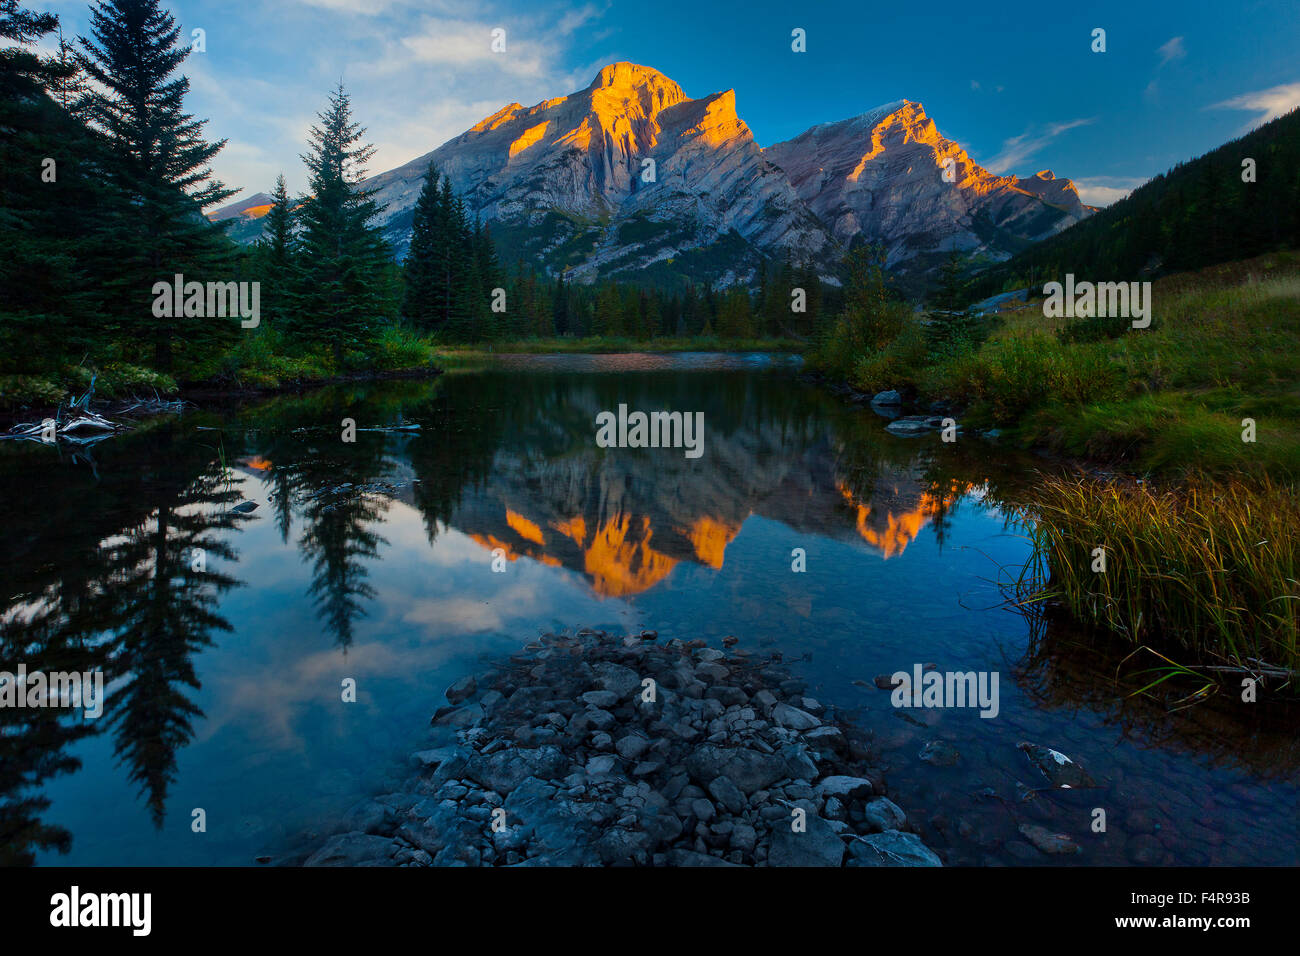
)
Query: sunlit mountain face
[{"x": 565, "y": 185}]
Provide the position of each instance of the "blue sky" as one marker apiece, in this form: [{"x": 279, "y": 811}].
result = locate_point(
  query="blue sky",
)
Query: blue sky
[{"x": 1017, "y": 84}]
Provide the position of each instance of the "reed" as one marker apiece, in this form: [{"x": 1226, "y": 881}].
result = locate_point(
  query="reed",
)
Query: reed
[{"x": 1207, "y": 568}]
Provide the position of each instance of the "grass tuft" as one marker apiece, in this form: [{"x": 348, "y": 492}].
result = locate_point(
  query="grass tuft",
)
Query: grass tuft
[{"x": 1211, "y": 568}]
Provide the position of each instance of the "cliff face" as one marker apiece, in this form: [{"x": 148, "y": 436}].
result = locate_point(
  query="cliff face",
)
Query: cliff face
[
  {"x": 880, "y": 177},
  {"x": 614, "y": 178}
]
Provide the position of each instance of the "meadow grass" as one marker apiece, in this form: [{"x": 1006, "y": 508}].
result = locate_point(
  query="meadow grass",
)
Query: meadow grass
[{"x": 1169, "y": 399}]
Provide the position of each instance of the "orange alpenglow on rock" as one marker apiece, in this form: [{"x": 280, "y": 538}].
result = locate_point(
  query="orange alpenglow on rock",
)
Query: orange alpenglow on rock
[
  {"x": 584, "y": 155},
  {"x": 710, "y": 539},
  {"x": 620, "y": 560},
  {"x": 633, "y": 149},
  {"x": 525, "y": 528},
  {"x": 890, "y": 533}
]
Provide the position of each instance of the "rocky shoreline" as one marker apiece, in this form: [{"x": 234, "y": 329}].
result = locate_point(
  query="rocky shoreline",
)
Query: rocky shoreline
[{"x": 595, "y": 749}]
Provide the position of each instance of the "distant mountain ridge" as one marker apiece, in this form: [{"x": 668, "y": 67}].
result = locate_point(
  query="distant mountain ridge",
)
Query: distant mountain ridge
[{"x": 632, "y": 179}]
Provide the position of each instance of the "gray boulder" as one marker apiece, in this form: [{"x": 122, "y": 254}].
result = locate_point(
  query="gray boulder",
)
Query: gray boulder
[
  {"x": 353, "y": 849},
  {"x": 818, "y": 845},
  {"x": 504, "y": 770},
  {"x": 891, "y": 848},
  {"x": 750, "y": 770}
]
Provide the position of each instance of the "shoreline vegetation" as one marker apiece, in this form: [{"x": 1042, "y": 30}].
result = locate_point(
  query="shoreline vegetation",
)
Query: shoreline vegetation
[{"x": 1201, "y": 411}]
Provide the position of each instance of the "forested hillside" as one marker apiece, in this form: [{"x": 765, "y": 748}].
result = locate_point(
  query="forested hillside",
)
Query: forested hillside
[{"x": 1216, "y": 208}]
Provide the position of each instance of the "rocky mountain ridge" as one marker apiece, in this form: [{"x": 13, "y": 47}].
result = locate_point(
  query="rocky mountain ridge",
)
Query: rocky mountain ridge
[{"x": 632, "y": 179}]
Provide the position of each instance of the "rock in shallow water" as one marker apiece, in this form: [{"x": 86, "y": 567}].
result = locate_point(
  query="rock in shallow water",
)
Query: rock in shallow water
[
  {"x": 883, "y": 814},
  {"x": 891, "y": 848},
  {"x": 1053, "y": 844},
  {"x": 1059, "y": 769},
  {"x": 586, "y": 771},
  {"x": 462, "y": 689},
  {"x": 353, "y": 849},
  {"x": 940, "y": 753}
]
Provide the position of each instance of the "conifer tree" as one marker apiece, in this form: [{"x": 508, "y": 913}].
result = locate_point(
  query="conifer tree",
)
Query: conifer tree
[
  {"x": 161, "y": 162},
  {"x": 54, "y": 204},
  {"x": 276, "y": 254},
  {"x": 279, "y": 239},
  {"x": 342, "y": 264},
  {"x": 424, "y": 299}
]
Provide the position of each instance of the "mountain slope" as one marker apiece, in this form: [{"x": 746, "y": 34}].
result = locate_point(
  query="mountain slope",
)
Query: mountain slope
[{"x": 879, "y": 177}]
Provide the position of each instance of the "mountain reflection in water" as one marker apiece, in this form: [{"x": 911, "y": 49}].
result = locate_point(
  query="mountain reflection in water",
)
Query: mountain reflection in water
[{"x": 373, "y": 560}]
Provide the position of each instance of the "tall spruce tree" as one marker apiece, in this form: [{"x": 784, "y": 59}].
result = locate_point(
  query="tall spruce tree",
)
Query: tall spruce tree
[
  {"x": 161, "y": 162},
  {"x": 279, "y": 241},
  {"x": 276, "y": 255},
  {"x": 423, "y": 299},
  {"x": 454, "y": 263},
  {"x": 54, "y": 202},
  {"x": 342, "y": 289}
]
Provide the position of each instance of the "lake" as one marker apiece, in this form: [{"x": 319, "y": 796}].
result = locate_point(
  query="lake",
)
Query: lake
[{"x": 410, "y": 557}]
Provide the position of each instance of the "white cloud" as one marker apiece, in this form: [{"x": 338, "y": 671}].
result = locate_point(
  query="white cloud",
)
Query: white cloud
[
  {"x": 1017, "y": 149},
  {"x": 1104, "y": 190},
  {"x": 1174, "y": 49},
  {"x": 368, "y": 8},
  {"x": 1269, "y": 104},
  {"x": 419, "y": 72}
]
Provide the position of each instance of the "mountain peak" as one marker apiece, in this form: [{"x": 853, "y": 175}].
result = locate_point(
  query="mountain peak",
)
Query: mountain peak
[{"x": 625, "y": 75}]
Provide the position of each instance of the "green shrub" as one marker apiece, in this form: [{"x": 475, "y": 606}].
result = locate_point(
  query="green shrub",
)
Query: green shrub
[
  {"x": 119, "y": 380},
  {"x": 949, "y": 334},
  {"x": 397, "y": 348},
  {"x": 1007, "y": 377},
  {"x": 898, "y": 364},
  {"x": 1100, "y": 329},
  {"x": 24, "y": 391}
]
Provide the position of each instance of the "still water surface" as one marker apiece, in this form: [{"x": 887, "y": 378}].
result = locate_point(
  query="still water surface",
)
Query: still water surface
[{"x": 373, "y": 561}]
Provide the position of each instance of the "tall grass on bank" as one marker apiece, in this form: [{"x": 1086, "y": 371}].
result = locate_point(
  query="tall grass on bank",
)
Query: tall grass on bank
[{"x": 1210, "y": 569}]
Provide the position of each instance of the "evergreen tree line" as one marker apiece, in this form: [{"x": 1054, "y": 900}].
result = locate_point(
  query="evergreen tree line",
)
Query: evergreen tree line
[
  {"x": 104, "y": 183},
  {"x": 105, "y": 179},
  {"x": 536, "y": 305},
  {"x": 103, "y": 176}
]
